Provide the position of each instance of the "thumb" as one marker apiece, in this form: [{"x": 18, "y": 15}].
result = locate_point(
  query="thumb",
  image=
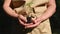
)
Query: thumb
[{"x": 34, "y": 20}]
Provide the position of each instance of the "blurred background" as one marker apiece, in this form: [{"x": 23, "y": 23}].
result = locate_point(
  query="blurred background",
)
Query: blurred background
[{"x": 6, "y": 21}]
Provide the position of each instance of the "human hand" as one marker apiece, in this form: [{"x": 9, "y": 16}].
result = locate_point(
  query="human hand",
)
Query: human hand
[
  {"x": 36, "y": 22},
  {"x": 23, "y": 20}
]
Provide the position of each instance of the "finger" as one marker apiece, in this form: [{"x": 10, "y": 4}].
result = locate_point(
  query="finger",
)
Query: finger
[
  {"x": 31, "y": 26},
  {"x": 22, "y": 18},
  {"x": 34, "y": 20},
  {"x": 21, "y": 22},
  {"x": 24, "y": 23},
  {"x": 34, "y": 25}
]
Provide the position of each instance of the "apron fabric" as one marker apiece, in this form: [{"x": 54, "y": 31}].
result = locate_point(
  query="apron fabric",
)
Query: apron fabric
[{"x": 40, "y": 6}]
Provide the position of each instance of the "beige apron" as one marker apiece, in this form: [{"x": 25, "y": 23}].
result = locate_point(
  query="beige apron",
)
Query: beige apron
[{"x": 44, "y": 27}]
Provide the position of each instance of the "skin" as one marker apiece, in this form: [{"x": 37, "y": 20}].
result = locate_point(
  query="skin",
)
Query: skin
[
  {"x": 8, "y": 9},
  {"x": 35, "y": 22}
]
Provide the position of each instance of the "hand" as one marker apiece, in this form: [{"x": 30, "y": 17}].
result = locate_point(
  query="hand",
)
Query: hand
[
  {"x": 23, "y": 20},
  {"x": 36, "y": 23}
]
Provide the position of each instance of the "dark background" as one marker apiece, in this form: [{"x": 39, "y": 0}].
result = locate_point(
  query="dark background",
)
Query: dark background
[{"x": 6, "y": 21}]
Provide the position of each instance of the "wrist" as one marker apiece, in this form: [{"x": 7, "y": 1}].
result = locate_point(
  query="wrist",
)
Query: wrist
[{"x": 14, "y": 15}]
